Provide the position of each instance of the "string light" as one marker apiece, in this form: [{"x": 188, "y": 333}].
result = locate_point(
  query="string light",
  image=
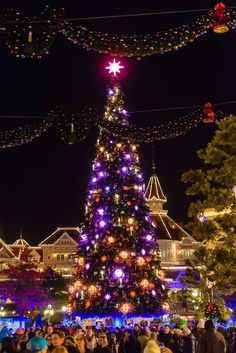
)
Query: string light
[{"x": 31, "y": 37}]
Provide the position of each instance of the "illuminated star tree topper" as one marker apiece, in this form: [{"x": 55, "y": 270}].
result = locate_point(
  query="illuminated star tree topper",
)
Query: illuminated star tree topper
[{"x": 114, "y": 67}]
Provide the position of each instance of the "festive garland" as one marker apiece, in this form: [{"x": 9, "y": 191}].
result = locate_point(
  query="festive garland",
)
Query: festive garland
[
  {"x": 22, "y": 135},
  {"x": 73, "y": 128},
  {"x": 31, "y": 37}
]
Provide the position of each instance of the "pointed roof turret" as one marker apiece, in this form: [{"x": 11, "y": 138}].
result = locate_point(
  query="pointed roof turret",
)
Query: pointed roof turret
[
  {"x": 21, "y": 242},
  {"x": 166, "y": 227},
  {"x": 154, "y": 191}
]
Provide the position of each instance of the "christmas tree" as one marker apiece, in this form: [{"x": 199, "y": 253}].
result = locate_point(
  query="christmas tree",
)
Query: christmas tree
[{"x": 118, "y": 260}]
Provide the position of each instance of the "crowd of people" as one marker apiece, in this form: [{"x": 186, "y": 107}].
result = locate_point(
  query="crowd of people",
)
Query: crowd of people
[{"x": 159, "y": 339}]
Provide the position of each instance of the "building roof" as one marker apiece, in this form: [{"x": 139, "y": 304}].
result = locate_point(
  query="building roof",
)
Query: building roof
[
  {"x": 5, "y": 251},
  {"x": 21, "y": 242},
  {"x": 168, "y": 229},
  {"x": 72, "y": 232},
  {"x": 154, "y": 190}
]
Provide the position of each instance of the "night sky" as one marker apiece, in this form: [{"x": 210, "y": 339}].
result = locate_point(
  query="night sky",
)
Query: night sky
[{"x": 43, "y": 183}]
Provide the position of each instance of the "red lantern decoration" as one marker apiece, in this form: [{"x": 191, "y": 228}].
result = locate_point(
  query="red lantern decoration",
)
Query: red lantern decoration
[
  {"x": 220, "y": 17},
  {"x": 208, "y": 113}
]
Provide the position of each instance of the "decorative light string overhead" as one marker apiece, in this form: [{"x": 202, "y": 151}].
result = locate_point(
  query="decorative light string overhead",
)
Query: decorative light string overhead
[
  {"x": 73, "y": 128},
  {"x": 31, "y": 37}
]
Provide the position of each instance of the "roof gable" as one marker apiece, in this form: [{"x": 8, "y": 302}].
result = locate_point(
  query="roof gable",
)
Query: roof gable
[
  {"x": 5, "y": 251},
  {"x": 71, "y": 234}
]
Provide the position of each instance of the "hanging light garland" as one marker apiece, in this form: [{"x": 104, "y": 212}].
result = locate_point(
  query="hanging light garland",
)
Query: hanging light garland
[
  {"x": 73, "y": 128},
  {"x": 22, "y": 135},
  {"x": 31, "y": 37},
  {"x": 137, "y": 45}
]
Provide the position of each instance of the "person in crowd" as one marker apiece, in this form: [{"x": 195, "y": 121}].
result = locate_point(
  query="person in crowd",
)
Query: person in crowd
[
  {"x": 152, "y": 347},
  {"x": 142, "y": 339},
  {"x": 59, "y": 349},
  {"x": 70, "y": 344},
  {"x": 113, "y": 343},
  {"x": 49, "y": 342},
  {"x": 58, "y": 338},
  {"x": 177, "y": 341},
  {"x": 102, "y": 345},
  {"x": 22, "y": 343},
  {"x": 90, "y": 341},
  {"x": 7, "y": 345},
  {"x": 136, "y": 330},
  {"x": 37, "y": 344},
  {"x": 80, "y": 343},
  {"x": 153, "y": 336},
  {"x": 79, "y": 332},
  {"x": 128, "y": 343},
  {"x": 189, "y": 341},
  {"x": 211, "y": 341},
  {"x": 165, "y": 336}
]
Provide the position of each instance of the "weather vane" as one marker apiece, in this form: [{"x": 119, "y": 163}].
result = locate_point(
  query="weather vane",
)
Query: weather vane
[{"x": 114, "y": 67}]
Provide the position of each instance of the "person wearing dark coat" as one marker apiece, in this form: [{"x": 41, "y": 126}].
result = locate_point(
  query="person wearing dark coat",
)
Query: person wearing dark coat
[
  {"x": 211, "y": 341},
  {"x": 189, "y": 341},
  {"x": 165, "y": 336},
  {"x": 102, "y": 345}
]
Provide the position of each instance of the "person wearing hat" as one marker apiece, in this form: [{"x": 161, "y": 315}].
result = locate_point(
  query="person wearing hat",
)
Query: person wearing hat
[
  {"x": 189, "y": 341},
  {"x": 37, "y": 344},
  {"x": 211, "y": 341}
]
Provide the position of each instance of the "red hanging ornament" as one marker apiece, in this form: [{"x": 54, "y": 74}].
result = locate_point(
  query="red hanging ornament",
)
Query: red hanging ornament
[
  {"x": 220, "y": 17},
  {"x": 208, "y": 113}
]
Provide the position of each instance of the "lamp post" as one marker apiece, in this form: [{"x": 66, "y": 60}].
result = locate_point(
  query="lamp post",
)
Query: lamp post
[{"x": 49, "y": 311}]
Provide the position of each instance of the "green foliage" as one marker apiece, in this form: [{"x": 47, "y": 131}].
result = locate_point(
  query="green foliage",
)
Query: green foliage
[{"x": 213, "y": 188}]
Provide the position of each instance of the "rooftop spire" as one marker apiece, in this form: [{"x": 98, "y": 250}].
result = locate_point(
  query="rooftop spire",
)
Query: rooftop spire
[
  {"x": 154, "y": 168},
  {"x": 154, "y": 195}
]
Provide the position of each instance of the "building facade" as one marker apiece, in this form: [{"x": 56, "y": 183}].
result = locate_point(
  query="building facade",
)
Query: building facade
[{"x": 58, "y": 249}]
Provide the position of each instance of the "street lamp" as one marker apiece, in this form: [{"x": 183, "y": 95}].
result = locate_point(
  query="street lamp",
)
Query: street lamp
[{"x": 49, "y": 311}]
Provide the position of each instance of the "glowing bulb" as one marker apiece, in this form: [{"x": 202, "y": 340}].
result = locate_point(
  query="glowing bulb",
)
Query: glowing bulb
[
  {"x": 94, "y": 180},
  {"x": 111, "y": 240},
  {"x": 101, "y": 211},
  {"x": 130, "y": 220},
  {"x": 107, "y": 296},
  {"x": 124, "y": 254},
  {"x": 118, "y": 273},
  {"x": 144, "y": 283},
  {"x": 102, "y": 224},
  {"x": 149, "y": 237}
]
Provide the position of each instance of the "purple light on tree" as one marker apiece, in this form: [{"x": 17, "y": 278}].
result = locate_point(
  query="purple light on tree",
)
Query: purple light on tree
[
  {"x": 101, "y": 211},
  {"x": 107, "y": 296},
  {"x": 127, "y": 156},
  {"x": 118, "y": 273},
  {"x": 102, "y": 224}
]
